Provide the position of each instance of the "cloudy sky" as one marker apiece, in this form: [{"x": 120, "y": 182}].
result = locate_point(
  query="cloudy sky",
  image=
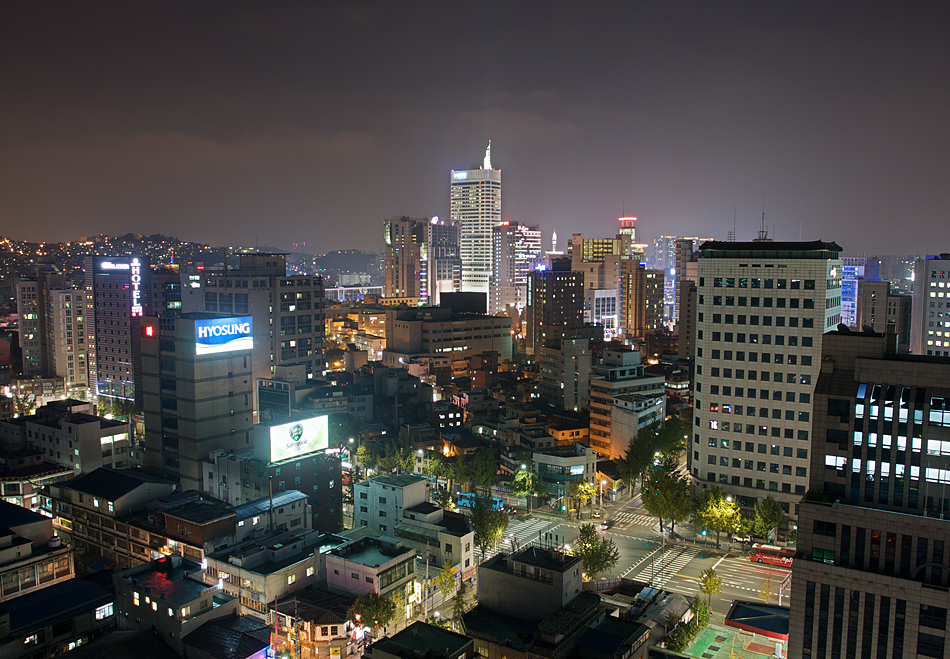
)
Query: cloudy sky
[{"x": 272, "y": 122}]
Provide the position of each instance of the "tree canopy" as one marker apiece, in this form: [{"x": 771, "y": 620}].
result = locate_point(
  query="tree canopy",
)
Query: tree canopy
[
  {"x": 488, "y": 524},
  {"x": 768, "y": 516},
  {"x": 657, "y": 441},
  {"x": 372, "y": 610},
  {"x": 599, "y": 554},
  {"x": 710, "y": 583},
  {"x": 718, "y": 512},
  {"x": 666, "y": 495}
]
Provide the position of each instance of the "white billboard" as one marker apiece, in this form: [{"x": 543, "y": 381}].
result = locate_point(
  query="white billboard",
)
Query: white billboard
[{"x": 292, "y": 440}]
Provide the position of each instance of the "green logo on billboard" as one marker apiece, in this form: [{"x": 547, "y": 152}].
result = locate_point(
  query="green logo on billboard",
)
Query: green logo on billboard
[{"x": 296, "y": 433}]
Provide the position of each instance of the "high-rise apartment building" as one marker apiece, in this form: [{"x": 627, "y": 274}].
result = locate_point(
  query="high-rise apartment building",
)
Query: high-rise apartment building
[
  {"x": 288, "y": 311},
  {"x": 66, "y": 337},
  {"x": 516, "y": 248},
  {"x": 197, "y": 391},
  {"x": 31, "y": 320},
  {"x": 871, "y": 576},
  {"x": 930, "y": 324},
  {"x": 475, "y": 203},
  {"x": 763, "y": 308}
]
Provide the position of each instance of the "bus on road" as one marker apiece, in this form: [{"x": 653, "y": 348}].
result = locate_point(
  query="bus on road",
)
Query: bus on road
[{"x": 772, "y": 555}]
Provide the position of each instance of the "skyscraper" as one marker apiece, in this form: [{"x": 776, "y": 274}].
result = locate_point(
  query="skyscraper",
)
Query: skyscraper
[
  {"x": 515, "y": 250},
  {"x": 475, "y": 203},
  {"x": 406, "y": 259},
  {"x": 763, "y": 308},
  {"x": 445, "y": 261}
]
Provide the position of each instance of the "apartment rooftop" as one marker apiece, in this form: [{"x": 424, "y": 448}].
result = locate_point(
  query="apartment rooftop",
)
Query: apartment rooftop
[
  {"x": 396, "y": 480},
  {"x": 421, "y": 639},
  {"x": 111, "y": 484},
  {"x": 263, "y": 505},
  {"x": 167, "y": 578},
  {"x": 372, "y": 551}
]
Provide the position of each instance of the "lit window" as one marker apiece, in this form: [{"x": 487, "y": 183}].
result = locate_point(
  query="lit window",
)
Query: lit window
[
  {"x": 291, "y": 579},
  {"x": 135, "y": 599},
  {"x": 310, "y": 571},
  {"x": 106, "y": 610}
]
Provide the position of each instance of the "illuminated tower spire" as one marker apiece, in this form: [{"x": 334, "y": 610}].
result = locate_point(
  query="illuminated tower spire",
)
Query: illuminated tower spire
[
  {"x": 487, "y": 164},
  {"x": 554, "y": 242}
]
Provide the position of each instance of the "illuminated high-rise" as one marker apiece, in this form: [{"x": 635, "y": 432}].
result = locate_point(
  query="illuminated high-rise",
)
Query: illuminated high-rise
[
  {"x": 515, "y": 249},
  {"x": 475, "y": 202}
]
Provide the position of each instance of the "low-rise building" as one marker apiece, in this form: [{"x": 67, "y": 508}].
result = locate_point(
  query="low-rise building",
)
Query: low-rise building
[
  {"x": 380, "y": 502},
  {"x": 530, "y": 584},
  {"x": 316, "y": 622},
  {"x": 371, "y": 564},
  {"x": 168, "y": 595},
  {"x": 31, "y": 557},
  {"x": 420, "y": 639},
  {"x": 82, "y": 441},
  {"x": 261, "y": 570},
  {"x": 24, "y": 473},
  {"x": 56, "y": 619}
]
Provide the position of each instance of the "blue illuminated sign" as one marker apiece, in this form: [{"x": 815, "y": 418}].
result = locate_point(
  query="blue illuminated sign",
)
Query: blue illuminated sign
[
  {"x": 223, "y": 335},
  {"x": 460, "y": 176}
]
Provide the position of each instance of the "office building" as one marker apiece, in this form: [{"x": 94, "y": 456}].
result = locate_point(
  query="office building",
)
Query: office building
[
  {"x": 287, "y": 312},
  {"x": 444, "y": 259},
  {"x": 852, "y": 274},
  {"x": 641, "y": 296},
  {"x": 686, "y": 327},
  {"x": 871, "y": 576},
  {"x": 763, "y": 309},
  {"x": 930, "y": 324},
  {"x": 31, "y": 322},
  {"x": 555, "y": 302},
  {"x": 516, "y": 248},
  {"x": 198, "y": 390},
  {"x": 475, "y": 203},
  {"x": 877, "y": 308}
]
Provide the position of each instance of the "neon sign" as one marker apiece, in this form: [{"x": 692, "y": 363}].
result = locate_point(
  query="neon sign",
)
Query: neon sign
[{"x": 136, "y": 280}]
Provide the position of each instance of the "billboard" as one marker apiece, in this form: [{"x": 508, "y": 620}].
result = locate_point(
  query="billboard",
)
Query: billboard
[
  {"x": 291, "y": 440},
  {"x": 223, "y": 335}
]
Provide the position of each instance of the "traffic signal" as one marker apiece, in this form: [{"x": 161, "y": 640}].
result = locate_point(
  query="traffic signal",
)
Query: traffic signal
[
  {"x": 704, "y": 533},
  {"x": 564, "y": 507}
]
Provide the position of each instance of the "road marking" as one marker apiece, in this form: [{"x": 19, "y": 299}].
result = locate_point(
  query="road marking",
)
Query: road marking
[{"x": 719, "y": 561}]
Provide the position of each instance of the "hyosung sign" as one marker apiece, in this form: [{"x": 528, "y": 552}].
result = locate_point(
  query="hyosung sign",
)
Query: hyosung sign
[
  {"x": 291, "y": 440},
  {"x": 223, "y": 335}
]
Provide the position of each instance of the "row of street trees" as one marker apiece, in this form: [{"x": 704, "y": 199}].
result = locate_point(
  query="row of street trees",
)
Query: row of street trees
[
  {"x": 655, "y": 442},
  {"x": 666, "y": 494}
]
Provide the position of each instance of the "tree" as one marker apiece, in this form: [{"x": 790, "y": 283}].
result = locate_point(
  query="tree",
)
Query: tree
[
  {"x": 25, "y": 404},
  {"x": 767, "y": 587},
  {"x": 488, "y": 524},
  {"x": 599, "y": 554},
  {"x": 768, "y": 516},
  {"x": 718, "y": 512},
  {"x": 581, "y": 492},
  {"x": 527, "y": 483},
  {"x": 666, "y": 495},
  {"x": 710, "y": 583},
  {"x": 446, "y": 579},
  {"x": 371, "y": 610},
  {"x": 485, "y": 470},
  {"x": 368, "y": 455}
]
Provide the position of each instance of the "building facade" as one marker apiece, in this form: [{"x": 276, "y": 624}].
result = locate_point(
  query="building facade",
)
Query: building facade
[
  {"x": 515, "y": 250},
  {"x": 872, "y": 575},
  {"x": 930, "y": 324},
  {"x": 762, "y": 310}
]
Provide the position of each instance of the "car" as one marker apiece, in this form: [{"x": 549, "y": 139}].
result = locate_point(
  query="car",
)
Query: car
[
  {"x": 606, "y": 524},
  {"x": 596, "y": 514}
]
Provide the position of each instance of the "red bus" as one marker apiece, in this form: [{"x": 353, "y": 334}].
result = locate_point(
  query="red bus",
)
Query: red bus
[{"x": 772, "y": 555}]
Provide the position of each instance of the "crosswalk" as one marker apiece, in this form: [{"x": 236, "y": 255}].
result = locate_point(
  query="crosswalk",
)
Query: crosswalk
[
  {"x": 664, "y": 564},
  {"x": 521, "y": 533},
  {"x": 634, "y": 518}
]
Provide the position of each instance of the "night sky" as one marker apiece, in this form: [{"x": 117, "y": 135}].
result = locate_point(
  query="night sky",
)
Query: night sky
[{"x": 273, "y": 122}]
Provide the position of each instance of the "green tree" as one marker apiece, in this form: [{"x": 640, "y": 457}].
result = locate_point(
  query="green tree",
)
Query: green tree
[
  {"x": 627, "y": 473},
  {"x": 443, "y": 499},
  {"x": 710, "y": 583},
  {"x": 488, "y": 524},
  {"x": 371, "y": 610},
  {"x": 768, "y": 516},
  {"x": 767, "y": 587},
  {"x": 461, "y": 473},
  {"x": 25, "y": 404},
  {"x": 527, "y": 483},
  {"x": 718, "y": 512},
  {"x": 666, "y": 495},
  {"x": 446, "y": 580},
  {"x": 485, "y": 470},
  {"x": 368, "y": 455},
  {"x": 599, "y": 554},
  {"x": 581, "y": 492},
  {"x": 669, "y": 437},
  {"x": 458, "y": 606}
]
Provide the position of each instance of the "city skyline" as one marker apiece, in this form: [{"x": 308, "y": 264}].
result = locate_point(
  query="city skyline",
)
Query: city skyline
[{"x": 265, "y": 124}]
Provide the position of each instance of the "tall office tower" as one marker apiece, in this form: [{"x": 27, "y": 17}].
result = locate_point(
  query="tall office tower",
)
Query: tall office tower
[
  {"x": 763, "y": 309},
  {"x": 628, "y": 233},
  {"x": 516, "y": 248},
  {"x": 475, "y": 203},
  {"x": 871, "y": 576},
  {"x": 852, "y": 273},
  {"x": 66, "y": 337},
  {"x": 930, "y": 324},
  {"x": 406, "y": 259},
  {"x": 197, "y": 391},
  {"x": 445, "y": 261},
  {"x": 288, "y": 311},
  {"x": 115, "y": 287},
  {"x": 686, "y": 328},
  {"x": 641, "y": 299},
  {"x": 555, "y": 302},
  {"x": 31, "y": 321}
]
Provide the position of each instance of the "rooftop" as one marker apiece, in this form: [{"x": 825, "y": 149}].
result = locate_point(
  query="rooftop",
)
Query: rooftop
[
  {"x": 396, "y": 480},
  {"x": 231, "y": 637},
  {"x": 262, "y": 506},
  {"x": 111, "y": 484},
  {"x": 424, "y": 508},
  {"x": 167, "y": 578},
  {"x": 420, "y": 638},
  {"x": 759, "y": 618},
  {"x": 547, "y": 559},
  {"x": 372, "y": 552},
  {"x": 320, "y": 607},
  {"x": 54, "y": 603},
  {"x": 815, "y": 249},
  {"x": 12, "y": 515}
]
